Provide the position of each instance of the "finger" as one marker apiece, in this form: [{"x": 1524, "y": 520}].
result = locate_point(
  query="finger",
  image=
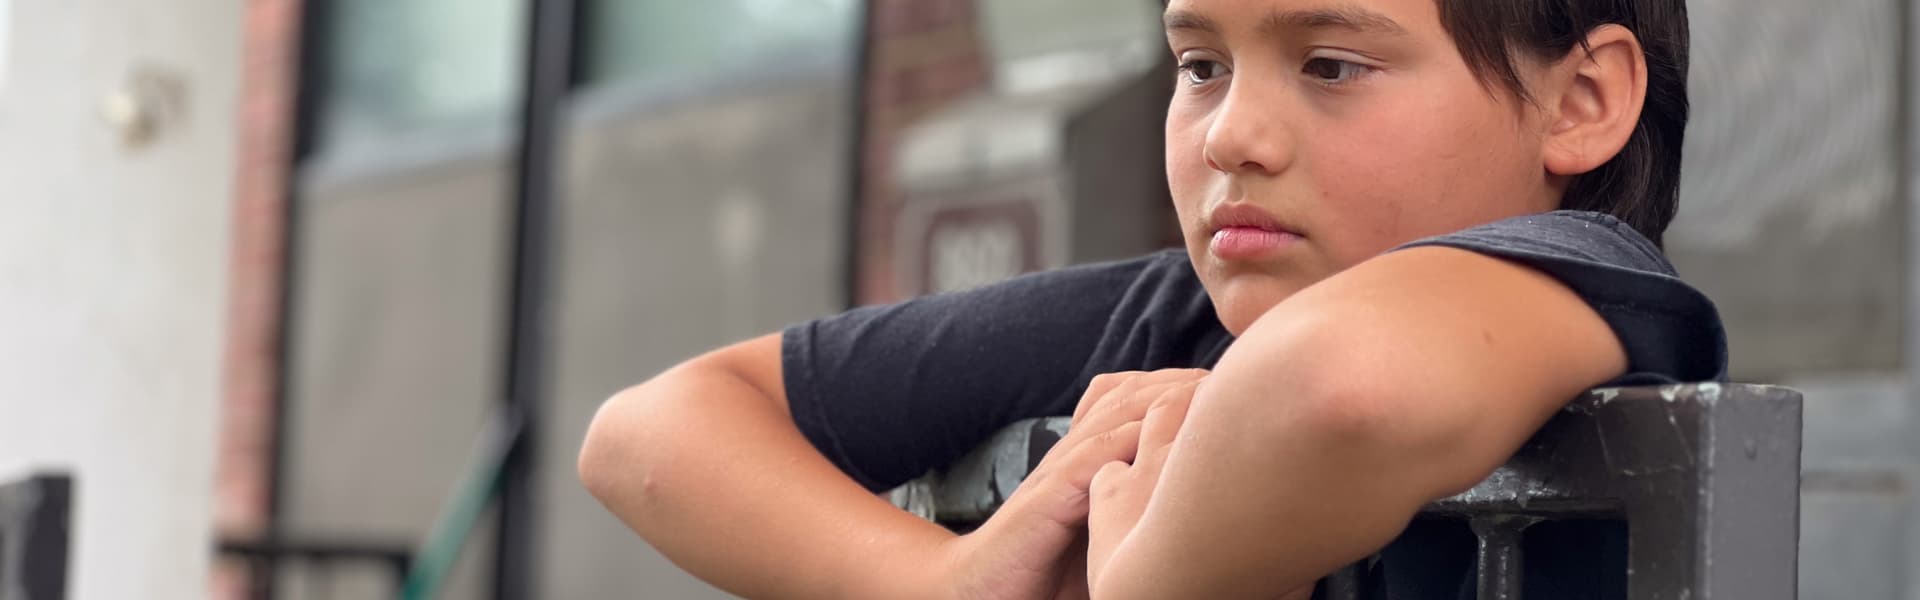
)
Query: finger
[
  {"x": 1127, "y": 402},
  {"x": 1114, "y": 385},
  {"x": 1124, "y": 405},
  {"x": 1114, "y": 510},
  {"x": 1057, "y": 489},
  {"x": 1120, "y": 444},
  {"x": 1161, "y": 425},
  {"x": 1101, "y": 385}
]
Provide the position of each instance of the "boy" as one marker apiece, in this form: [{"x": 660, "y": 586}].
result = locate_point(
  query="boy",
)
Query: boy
[{"x": 1414, "y": 229}]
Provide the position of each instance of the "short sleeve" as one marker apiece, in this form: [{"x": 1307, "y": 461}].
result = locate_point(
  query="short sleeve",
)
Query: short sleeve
[
  {"x": 1671, "y": 331},
  {"x": 890, "y": 392}
]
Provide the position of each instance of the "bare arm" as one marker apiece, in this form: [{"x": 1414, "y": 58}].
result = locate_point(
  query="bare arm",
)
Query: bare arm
[
  {"x": 704, "y": 462},
  {"x": 1339, "y": 414}
]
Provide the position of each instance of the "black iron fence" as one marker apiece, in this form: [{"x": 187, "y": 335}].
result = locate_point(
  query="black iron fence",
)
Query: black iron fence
[
  {"x": 317, "y": 563},
  {"x": 1704, "y": 478}
]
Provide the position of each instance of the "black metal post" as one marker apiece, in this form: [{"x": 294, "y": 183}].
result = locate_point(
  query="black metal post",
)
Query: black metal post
[
  {"x": 1346, "y": 583},
  {"x": 36, "y": 536},
  {"x": 1501, "y": 561},
  {"x": 548, "y": 74},
  {"x": 857, "y": 152}
]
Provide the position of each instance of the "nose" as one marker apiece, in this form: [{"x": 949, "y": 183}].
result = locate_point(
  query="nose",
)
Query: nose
[{"x": 1248, "y": 135}]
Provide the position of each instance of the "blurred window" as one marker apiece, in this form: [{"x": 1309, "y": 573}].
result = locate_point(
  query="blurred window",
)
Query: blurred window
[
  {"x": 420, "y": 71},
  {"x": 660, "y": 42},
  {"x": 1039, "y": 45}
]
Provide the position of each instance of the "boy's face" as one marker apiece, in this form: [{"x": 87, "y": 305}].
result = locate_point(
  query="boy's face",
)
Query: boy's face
[{"x": 1306, "y": 136}]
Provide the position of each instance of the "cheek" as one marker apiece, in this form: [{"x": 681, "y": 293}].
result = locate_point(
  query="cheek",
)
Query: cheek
[
  {"x": 1188, "y": 175},
  {"x": 1395, "y": 173}
]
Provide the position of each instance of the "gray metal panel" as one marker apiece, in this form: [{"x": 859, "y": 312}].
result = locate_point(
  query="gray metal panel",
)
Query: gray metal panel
[
  {"x": 1790, "y": 170},
  {"x": 1749, "y": 472},
  {"x": 394, "y": 335},
  {"x": 1908, "y": 561},
  {"x": 1853, "y": 540},
  {"x": 1855, "y": 493},
  {"x": 684, "y": 224}
]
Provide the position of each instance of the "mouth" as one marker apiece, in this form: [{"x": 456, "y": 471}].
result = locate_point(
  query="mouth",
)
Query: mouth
[{"x": 1241, "y": 231}]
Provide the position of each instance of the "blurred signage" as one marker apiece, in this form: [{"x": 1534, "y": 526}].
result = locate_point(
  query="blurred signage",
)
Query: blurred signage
[{"x": 972, "y": 245}]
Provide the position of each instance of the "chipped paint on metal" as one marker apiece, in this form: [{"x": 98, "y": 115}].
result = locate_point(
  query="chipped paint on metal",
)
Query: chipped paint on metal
[
  {"x": 1606, "y": 395},
  {"x": 1708, "y": 393}
]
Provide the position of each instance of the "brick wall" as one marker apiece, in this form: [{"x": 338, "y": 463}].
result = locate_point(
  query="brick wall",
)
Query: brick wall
[
  {"x": 245, "y": 459},
  {"x": 922, "y": 54}
]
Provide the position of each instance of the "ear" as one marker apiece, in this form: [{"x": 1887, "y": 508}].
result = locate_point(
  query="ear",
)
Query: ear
[{"x": 1601, "y": 90}]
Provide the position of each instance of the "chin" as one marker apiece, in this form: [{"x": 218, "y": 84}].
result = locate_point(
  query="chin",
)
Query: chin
[{"x": 1243, "y": 299}]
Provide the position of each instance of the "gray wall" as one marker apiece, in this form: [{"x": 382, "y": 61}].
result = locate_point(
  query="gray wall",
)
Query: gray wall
[
  {"x": 1789, "y": 215},
  {"x": 1791, "y": 219},
  {"x": 686, "y": 225}
]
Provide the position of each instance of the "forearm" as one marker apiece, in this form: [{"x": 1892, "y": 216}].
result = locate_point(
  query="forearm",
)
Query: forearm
[
  {"x": 1320, "y": 503},
  {"x": 715, "y": 476},
  {"x": 1341, "y": 412}
]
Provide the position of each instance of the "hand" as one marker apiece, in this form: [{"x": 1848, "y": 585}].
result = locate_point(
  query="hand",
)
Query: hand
[
  {"x": 1023, "y": 551},
  {"x": 1120, "y": 489}
]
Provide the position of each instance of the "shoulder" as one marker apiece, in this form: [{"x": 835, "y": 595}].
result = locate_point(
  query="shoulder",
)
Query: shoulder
[
  {"x": 1569, "y": 235},
  {"x": 1669, "y": 328}
]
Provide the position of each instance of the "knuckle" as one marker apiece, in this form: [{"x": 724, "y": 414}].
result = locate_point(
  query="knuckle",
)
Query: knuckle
[
  {"x": 1109, "y": 380},
  {"x": 1174, "y": 396},
  {"x": 1106, "y": 383},
  {"x": 1125, "y": 432},
  {"x": 1103, "y": 386}
]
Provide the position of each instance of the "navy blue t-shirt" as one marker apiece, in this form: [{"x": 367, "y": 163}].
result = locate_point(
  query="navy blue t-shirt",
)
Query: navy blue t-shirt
[{"x": 889, "y": 393}]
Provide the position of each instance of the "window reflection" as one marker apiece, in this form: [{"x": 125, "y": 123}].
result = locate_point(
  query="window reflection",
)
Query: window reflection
[
  {"x": 418, "y": 70},
  {"x": 661, "y": 41}
]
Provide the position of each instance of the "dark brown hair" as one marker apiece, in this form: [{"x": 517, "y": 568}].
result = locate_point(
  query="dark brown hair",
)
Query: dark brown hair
[{"x": 1640, "y": 185}]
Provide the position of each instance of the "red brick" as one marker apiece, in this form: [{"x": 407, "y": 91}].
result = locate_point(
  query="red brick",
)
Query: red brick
[{"x": 265, "y": 121}]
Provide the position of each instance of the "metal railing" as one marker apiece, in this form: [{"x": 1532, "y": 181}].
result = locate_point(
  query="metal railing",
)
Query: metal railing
[
  {"x": 419, "y": 571},
  {"x": 1705, "y": 477},
  {"x": 319, "y": 560}
]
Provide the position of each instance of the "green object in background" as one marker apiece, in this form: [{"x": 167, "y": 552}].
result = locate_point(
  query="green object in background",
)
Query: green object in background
[{"x": 481, "y": 484}]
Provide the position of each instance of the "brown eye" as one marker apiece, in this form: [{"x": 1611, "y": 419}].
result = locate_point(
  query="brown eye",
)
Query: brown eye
[
  {"x": 1331, "y": 71},
  {"x": 1199, "y": 72}
]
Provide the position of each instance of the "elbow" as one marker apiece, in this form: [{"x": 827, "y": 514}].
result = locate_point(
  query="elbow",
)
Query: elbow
[{"x": 618, "y": 463}]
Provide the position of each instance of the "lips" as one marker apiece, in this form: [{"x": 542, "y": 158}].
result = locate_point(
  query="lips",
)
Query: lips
[{"x": 1242, "y": 231}]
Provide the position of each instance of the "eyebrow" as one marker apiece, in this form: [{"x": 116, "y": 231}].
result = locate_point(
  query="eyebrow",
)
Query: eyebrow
[{"x": 1352, "y": 18}]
